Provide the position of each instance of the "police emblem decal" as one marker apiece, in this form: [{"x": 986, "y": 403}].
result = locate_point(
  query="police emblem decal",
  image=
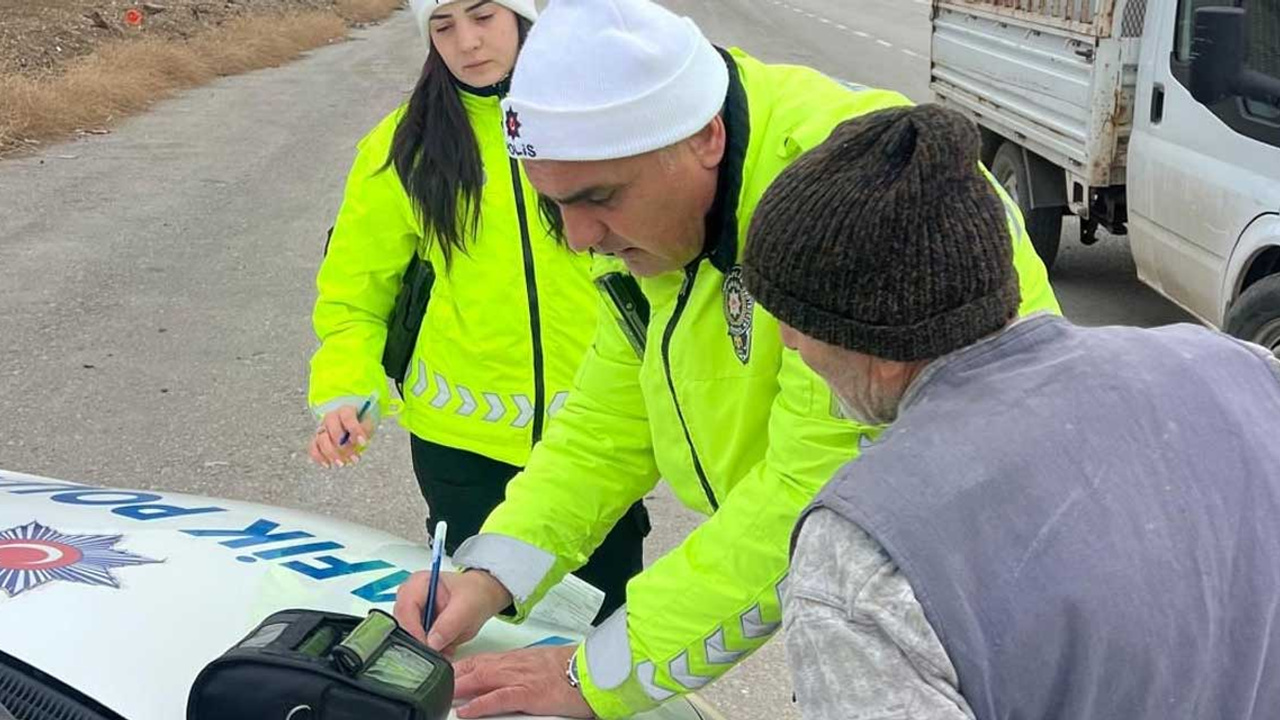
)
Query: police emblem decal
[
  {"x": 516, "y": 146},
  {"x": 32, "y": 555},
  {"x": 513, "y": 124},
  {"x": 739, "y": 308}
]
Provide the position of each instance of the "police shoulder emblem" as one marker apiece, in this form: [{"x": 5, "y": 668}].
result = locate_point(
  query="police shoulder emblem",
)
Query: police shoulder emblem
[{"x": 739, "y": 307}]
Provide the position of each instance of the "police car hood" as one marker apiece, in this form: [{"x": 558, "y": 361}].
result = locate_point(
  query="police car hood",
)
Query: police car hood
[{"x": 126, "y": 595}]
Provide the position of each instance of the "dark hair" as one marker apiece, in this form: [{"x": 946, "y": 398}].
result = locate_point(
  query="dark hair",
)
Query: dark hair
[
  {"x": 442, "y": 177},
  {"x": 549, "y": 210}
]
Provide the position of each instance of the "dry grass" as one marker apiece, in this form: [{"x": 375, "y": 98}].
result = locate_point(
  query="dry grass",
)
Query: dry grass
[
  {"x": 126, "y": 77},
  {"x": 363, "y": 11}
]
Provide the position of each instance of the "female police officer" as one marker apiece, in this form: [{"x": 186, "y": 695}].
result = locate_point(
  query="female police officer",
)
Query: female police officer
[{"x": 511, "y": 311}]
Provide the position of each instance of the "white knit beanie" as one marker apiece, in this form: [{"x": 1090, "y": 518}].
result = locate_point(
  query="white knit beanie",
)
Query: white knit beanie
[
  {"x": 422, "y": 10},
  {"x": 607, "y": 79}
]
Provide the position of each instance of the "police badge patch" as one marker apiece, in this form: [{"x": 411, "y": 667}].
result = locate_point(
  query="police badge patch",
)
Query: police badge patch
[{"x": 739, "y": 307}]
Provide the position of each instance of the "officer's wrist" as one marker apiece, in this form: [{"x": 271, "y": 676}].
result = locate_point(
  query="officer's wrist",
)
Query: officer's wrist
[{"x": 498, "y": 599}]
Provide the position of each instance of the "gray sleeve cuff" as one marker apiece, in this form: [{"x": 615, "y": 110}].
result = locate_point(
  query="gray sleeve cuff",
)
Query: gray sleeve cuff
[
  {"x": 519, "y": 566},
  {"x": 355, "y": 401},
  {"x": 608, "y": 651}
]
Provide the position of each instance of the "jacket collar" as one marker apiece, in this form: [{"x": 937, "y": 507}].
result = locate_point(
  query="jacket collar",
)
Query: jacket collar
[
  {"x": 722, "y": 222},
  {"x": 498, "y": 89}
]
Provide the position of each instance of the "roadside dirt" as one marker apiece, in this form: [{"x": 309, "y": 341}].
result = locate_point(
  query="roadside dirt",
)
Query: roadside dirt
[
  {"x": 74, "y": 66},
  {"x": 39, "y": 37}
]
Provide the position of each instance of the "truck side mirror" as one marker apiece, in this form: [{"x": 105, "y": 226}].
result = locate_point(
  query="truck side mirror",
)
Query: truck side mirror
[{"x": 1217, "y": 53}]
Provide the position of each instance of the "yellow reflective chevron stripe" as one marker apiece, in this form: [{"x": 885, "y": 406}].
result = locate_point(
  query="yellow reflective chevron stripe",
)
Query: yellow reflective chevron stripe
[
  {"x": 497, "y": 408},
  {"x": 609, "y": 656},
  {"x": 718, "y": 652},
  {"x": 679, "y": 669},
  {"x": 557, "y": 402},
  {"x": 645, "y": 672},
  {"x": 491, "y": 407}
]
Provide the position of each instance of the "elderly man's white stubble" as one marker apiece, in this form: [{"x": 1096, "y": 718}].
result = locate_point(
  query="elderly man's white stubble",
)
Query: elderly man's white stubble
[{"x": 869, "y": 389}]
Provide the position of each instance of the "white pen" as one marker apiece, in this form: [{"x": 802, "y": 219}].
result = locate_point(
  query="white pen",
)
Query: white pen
[{"x": 437, "y": 556}]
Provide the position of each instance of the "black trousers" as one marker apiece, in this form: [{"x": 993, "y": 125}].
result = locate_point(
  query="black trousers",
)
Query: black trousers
[{"x": 462, "y": 488}]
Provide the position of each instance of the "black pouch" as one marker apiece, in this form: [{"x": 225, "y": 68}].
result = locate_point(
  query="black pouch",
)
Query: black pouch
[
  {"x": 629, "y": 306},
  {"x": 406, "y": 319},
  {"x": 311, "y": 665},
  {"x": 406, "y": 316}
]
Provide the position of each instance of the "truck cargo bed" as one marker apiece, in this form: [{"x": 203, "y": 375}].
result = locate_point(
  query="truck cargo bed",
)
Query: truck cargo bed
[{"x": 1055, "y": 76}]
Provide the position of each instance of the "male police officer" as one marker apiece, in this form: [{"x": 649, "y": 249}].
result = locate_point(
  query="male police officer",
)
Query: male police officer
[{"x": 657, "y": 147}]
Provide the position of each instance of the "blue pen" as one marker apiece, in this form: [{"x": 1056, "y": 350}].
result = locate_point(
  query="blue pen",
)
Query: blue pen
[
  {"x": 437, "y": 555},
  {"x": 346, "y": 436}
]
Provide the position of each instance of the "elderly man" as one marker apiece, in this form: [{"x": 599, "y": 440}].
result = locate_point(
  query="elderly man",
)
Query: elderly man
[
  {"x": 1060, "y": 522},
  {"x": 657, "y": 147}
]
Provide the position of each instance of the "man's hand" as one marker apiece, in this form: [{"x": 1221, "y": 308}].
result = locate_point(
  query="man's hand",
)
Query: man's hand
[
  {"x": 327, "y": 449},
  {"x": 530, "y": 681},
  {"x": 464, "y": 603}
]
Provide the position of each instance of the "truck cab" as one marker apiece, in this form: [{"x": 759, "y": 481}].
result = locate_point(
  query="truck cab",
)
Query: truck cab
[{"x": 1159, "y": 119}]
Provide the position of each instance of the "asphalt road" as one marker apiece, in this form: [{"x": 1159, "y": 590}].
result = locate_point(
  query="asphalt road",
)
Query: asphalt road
[{"x": 156, "y": 283}]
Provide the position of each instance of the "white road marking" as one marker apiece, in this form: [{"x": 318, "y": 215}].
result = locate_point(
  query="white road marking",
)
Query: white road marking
[{"x": 845, "y": 28}]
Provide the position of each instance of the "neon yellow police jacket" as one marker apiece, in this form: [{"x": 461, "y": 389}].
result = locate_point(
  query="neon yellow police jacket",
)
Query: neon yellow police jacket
[{"x": 506, "y": 326}]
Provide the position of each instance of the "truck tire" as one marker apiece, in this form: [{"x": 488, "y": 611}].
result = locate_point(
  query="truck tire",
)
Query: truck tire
[
  {"x": 1256, "y": 315},
  {"x": 1044, "y": 225}
]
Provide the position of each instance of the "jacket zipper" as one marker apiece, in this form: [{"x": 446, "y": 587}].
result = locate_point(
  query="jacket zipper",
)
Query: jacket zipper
[
  {"x": 535, "y": 317},
  {"x": 682, "y": 300}
]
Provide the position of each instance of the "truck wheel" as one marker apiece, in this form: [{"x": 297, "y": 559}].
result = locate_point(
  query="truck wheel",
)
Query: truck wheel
[
  {"x": 1044, "y": 225},
  {"x": 1256, "y": 315}
]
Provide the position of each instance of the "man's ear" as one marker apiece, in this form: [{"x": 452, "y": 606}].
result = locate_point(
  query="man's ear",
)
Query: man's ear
[
  {"x": 895, "y": 374},
  {"x": 708, "y": 144}
]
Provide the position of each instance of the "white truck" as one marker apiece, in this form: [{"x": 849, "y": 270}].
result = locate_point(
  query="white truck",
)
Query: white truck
[{"x": 1159, "y": 119}]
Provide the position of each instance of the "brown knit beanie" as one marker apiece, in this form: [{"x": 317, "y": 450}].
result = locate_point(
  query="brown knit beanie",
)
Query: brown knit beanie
[{"x": 887, "y": 239}]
